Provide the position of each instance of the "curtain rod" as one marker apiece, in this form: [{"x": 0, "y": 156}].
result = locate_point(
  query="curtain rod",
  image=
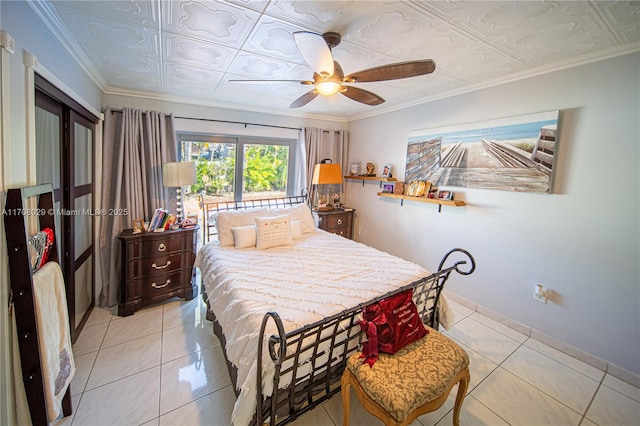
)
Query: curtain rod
[
  {"x": 240, "y": 122},
  {"x": 226, "y": 121}
]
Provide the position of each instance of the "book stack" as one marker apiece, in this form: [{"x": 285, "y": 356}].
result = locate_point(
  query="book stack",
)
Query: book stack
[{"x": 161, "y": 220}]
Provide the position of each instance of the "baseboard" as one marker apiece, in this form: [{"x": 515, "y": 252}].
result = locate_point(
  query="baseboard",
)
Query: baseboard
[{"x": 592, "y": 360}]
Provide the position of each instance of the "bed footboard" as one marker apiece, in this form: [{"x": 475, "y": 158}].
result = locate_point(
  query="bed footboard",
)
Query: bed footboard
[{"x": 309, "y": 361}]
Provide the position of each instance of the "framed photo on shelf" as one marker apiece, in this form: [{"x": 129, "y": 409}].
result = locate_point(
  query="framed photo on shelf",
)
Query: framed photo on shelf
[
  {"x": 388, "y": 188},
  {"x": 355, "y": 168},
  {"x": 445, "y": 195},
  {"x": 386, "y": 170}
]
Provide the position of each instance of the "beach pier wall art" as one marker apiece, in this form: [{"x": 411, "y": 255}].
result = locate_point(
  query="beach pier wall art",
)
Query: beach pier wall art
[{"x": 508, "y": 154}]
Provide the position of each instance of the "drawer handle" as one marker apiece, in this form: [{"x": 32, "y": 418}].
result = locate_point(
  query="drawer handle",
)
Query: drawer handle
[
  {"x": 154, "y": 285},
  {"x": 162, "y": 247},
  {"x": 161, "y": 267},
  {"x": 339, "y": 221}
]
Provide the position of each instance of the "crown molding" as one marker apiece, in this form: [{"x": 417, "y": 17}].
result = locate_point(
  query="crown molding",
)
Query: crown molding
[{"x": 51, "y": 20}]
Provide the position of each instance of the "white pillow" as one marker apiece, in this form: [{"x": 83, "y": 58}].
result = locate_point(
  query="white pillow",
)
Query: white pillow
[
  {"x": 296, "y": 229},
  {"x": 244, "y": 236},
  {"x": 300, "y": 212},
  {"x": 232, "y": 218},
  {"x": 273, "y": 231}
]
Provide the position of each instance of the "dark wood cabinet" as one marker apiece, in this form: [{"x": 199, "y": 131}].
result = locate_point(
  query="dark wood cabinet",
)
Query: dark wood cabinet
[
  {"x": 156, "y": 266},
  {"x": 338, "y": 222}
]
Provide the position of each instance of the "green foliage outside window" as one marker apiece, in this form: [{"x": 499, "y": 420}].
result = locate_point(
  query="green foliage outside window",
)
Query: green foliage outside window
[{"x": 265, "y": 169}]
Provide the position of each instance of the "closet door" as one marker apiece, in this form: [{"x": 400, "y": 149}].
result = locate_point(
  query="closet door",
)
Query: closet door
[
  {"x": 65, "y": 139},
  {"x": 79, "y": 225},
  {"x": 49, "y": 136}
]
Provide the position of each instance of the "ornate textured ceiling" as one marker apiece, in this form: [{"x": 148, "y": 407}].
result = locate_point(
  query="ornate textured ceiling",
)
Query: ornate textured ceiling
[{"x": 188, "y": 50}]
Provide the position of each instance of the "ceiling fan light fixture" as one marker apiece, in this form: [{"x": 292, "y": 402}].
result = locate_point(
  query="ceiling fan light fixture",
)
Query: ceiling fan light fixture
[{"x": 328, "y": 88}]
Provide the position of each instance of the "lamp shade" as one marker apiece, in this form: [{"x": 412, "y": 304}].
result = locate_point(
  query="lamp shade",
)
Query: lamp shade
[
  {"x": 175, "y": 175},
  {"x": 326, "y": 174}
]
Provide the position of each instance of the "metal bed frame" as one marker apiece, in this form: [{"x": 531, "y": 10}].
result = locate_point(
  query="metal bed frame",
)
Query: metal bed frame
[
  {"x": 209, "y": 209},
  {"x": 315, "y": 355}
]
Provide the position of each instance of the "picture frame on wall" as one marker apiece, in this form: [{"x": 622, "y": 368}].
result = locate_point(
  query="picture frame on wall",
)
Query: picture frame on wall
[
  {"x": 445, "y": 195},
  {"x": 386, "y": 170},
  {"x": 516, "y": 153}
]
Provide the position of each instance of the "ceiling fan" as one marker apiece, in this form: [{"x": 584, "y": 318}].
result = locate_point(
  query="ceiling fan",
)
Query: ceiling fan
[{"x": 328, "y": 77}]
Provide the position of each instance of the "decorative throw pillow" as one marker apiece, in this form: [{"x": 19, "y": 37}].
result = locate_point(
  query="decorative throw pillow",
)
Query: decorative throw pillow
[
  {"x": 273, "y": 231},
  {"x": 244, "y": 236},
  {"x": 390, "y": 324},
  {"x": 296, "y": 229}
]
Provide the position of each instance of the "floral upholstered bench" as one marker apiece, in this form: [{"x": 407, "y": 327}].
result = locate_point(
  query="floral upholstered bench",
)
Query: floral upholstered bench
[{"x": 416, "y": 380}]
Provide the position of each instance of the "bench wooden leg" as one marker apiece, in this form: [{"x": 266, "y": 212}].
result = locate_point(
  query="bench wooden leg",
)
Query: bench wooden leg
[
  {"x": 463, "y": 384},
  {"x": 346, "y": 390}
]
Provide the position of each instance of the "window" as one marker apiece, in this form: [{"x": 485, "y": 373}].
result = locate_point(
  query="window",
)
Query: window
[{"x": 238, "y": 168}]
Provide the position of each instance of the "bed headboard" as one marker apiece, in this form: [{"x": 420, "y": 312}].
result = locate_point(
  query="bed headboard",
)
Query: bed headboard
[{"x": 209, "y": 210}]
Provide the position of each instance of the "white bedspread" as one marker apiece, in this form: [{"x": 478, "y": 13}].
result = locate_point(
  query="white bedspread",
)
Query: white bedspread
[{"x": 320, "y": 275}]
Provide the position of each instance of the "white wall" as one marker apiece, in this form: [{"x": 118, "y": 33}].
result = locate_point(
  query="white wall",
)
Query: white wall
[{"x": 582, "y": 242}]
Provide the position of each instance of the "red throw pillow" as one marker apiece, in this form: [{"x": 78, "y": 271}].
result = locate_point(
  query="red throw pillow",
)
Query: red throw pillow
[{"x": 390, "y": 324}]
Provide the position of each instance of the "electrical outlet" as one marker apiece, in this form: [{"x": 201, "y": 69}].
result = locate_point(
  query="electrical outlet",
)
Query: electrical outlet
[{"x": 540, "y": 294}]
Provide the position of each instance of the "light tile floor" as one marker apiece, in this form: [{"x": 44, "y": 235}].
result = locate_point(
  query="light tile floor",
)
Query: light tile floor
[{"x": 164, "y": 366}]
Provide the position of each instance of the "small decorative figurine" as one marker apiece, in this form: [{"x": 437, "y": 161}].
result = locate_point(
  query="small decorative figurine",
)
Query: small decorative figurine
[{"x": 370, "y": 169}]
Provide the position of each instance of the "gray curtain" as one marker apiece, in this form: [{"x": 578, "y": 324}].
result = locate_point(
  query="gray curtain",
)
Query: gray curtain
[
  {"x": 135, "y": 145},
  {"x": 321, "y": 144},
  {"x": 300, "y": 175}
]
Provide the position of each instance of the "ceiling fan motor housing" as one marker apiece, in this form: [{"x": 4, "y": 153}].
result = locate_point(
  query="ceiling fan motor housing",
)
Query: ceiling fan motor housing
[{"x": 332, "y": 39}]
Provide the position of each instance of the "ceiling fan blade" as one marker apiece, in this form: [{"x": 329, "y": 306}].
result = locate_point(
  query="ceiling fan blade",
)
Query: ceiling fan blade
[
  {"x": 306, "y": 82},
  {"x": 315, "y": 51},
  {"x": 392, "y": 71},
  {"x": 361, "y": 95},
  {"x": 304, "y": 99}
]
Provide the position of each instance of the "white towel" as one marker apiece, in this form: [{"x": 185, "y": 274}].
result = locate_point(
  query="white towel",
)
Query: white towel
[{"x": 56, "y": 356}]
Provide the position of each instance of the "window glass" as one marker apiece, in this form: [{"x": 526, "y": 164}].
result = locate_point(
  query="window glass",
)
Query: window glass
[
  {"x": 236, "y": 168},
  {"x": 265, "y": 171}
]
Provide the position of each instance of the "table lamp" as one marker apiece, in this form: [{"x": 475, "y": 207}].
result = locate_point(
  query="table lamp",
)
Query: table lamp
[
  {"x": 325, "y": 174},
  {"x": 177, "y": 175}
]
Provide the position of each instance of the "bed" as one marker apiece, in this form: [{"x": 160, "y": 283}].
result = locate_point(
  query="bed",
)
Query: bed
[{"x": 295, "y": 306}]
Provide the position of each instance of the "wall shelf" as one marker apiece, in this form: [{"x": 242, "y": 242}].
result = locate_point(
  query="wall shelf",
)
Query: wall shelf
[
  {"x": 452, "y": 203},
  {"x": 372, "y": 178}
]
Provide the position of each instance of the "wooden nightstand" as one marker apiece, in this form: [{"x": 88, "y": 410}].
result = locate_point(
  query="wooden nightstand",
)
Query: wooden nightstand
[
  {"x": 337, "y": 221},
  {"x": 156, "y": 266}
]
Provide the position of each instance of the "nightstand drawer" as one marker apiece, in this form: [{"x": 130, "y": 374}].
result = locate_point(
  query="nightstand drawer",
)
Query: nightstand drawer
[
  {"x": 159, "y": 286},
  {"x": 160, "y": 246},
  {"x": 337, "y": 221},
  {"x": 342, "y": 232},
  {"x": 159, "y": 265}
]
